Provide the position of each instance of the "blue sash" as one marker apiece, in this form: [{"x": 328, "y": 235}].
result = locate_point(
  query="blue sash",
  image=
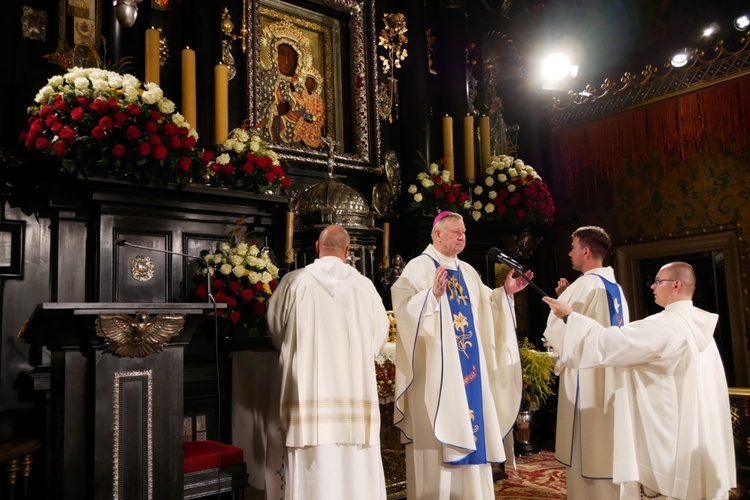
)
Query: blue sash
[
  {"x": 614, "y": 299},
  {"x": 468, "y": 352}
]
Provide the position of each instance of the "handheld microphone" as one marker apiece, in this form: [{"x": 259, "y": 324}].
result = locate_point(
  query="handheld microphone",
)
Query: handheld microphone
[
  {"x": 496, "y": 255},
  {"x": 209, "y": 296}
]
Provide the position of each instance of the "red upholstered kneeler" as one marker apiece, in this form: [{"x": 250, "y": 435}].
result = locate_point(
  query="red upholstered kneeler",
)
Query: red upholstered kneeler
[{"x": 212, "y": 467}]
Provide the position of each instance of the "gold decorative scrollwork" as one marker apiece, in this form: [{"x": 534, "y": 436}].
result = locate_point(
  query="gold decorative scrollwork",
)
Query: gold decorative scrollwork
[
  {"x": 140, "y": 336},
  {"x": 142, "y": 268}
]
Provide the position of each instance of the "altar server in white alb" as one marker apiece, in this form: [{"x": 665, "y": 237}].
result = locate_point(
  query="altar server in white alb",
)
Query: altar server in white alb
[
  {"x": 329, "y": 323},
  {"x": 585, "y": 398},
  {"x": 673, "y": 431},
  {"x": 458, "y": 370}
]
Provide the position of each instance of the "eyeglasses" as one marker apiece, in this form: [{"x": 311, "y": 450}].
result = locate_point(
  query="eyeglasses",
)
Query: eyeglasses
[{"x": 659, "y": 280}]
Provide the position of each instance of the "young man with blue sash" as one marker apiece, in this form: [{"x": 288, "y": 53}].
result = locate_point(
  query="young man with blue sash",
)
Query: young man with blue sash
[
  {"x": 458, "y": 370},
  {"x": 585, "y": 413}
]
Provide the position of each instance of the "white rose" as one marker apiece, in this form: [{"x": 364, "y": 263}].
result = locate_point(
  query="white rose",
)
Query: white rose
[
  {"x": 511, "y": 187},
  {"x": 236, "y": 260},
  {"x": 266, "y": 277},
  {"x": 513, "y": 173},
  {"x": 523, "y": 174},
  {"x": 421, "y": 176},
  {"x": 489, "y": 208},
  {"x": 478, "y": 190},
  {"x": 222, "y": 159},
  {"x": 445, "y": 175},
  {"x": 492, "y": 195},
  {"x": 238, "y": 271},
  {"x": 225, "y": 247},
  {"x": 434, "y": 168},
  {"x": 225, "y": 269},
  {"x": 55, "y": 81},
  {"x": 418, "y": 197},
  {"x": 166, "y": 106},
  {"x": 241, "y": 249},
  {"x": 239, "y": 147},
  {"x": 241, "y": 135},
  {"x": 254, "y": 262},
  {"x": 477, "y": 205},
  {"x": 427, "y": 183},
  {"x": 467, "y": 205},
  {"x": 81, "y": 83},
  {"x": 476, "y": 215},
  {"x": 254, "y": 143},
  {"x": 273, "y": 270},
  {"x": 253, "y": 251},
  {"x": 253, "y": 277},
  {"x": 502, "y": 177},
  {"x": 489, "y": 181},
  {"x": 412, "y": 189}
]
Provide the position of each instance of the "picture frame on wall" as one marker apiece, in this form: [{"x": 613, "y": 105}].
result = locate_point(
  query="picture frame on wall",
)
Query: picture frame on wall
[
  {"x": 310, "y": 76},
  {"x": 80, "y": 24}
]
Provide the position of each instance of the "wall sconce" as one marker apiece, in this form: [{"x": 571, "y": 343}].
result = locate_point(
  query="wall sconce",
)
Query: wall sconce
[
  {"x": 392, "y": 38},
  {"x": 126, "y": 12}
]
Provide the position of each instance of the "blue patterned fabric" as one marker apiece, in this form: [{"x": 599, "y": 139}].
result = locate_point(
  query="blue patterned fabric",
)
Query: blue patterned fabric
[{"x": 614, "y": 299}]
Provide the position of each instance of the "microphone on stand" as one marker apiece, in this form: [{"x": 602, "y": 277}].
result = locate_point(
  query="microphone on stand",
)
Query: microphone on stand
[
  {"x": 496, "y": 255},
  {"x": 209, "y": 296}
]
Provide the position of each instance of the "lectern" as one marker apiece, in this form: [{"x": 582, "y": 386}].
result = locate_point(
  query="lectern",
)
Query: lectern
[{"x": 116, "y": 396}]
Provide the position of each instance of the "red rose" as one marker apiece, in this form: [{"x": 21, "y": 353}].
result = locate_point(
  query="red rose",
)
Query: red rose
[
  {"x": 113, "y": 104},
  {"x": 60, "y": 148},
  {"x": 175, "y": 142},
  {"x": 263, "y": 161},
  {"x": 160, "y": 152},
  {"x": 106, "y": 122},
  {"x": 118, "y": 150},
  {"x": 247, "y": 294},
  {"x": 273, "y": 284},
  {"x": 51, "y": 119},
  {"x": 220, "y": 297},
  {"x": 97, "y": 132},
  {"x": 200, "y": 291},
  {"x": 189, "y": 142},
  {"x": 144, "y": 149},
  {"x": 78, "y": 114},
  {"x": 437, "y": 192},
  {"x": 286, "y": 182},
  {"x": 99, "y": 105},
  {"x": 184, "y": 163},
  {"x": 150, "y": 128},
  {"x": 260, "y": 308},
  {"x": 56, "y": 128},
  {"x": 270, "y": 177},
  {"x": 217, "y": 284},
  {"x": 120, "y": 119},
  {"x": 234, "y": 286},
  {"x": 154, "y": 140},
  {"x": 234, "y": 316},
  {"x": 451, "y": 198},
  {"x": 247, "y": 167},
  {"x": 154, "y": 115},
  {"x": 250, "y": 157},
  {"x": 67, "y": 134},
  {"x": 227, "y": 169},
  {"x": 133, "y": 110},
  {"x": 258, "y": 286},
  {"x": 183, "y": 131},
  {"x": 521, "y": 213},
  {"x": 231, "y": 302},
  {"x": 61, "y": 105},
  {"x": 132, "y": 132},
  {"x": 215, "y": 167},
  {"x": 170, "y": 128},
  {"x": 41, "y": 143},
  {"x": 207, "y": 156}
]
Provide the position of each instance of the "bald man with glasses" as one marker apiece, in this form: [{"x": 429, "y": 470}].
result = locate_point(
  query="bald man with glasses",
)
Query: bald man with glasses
[{"x": 673, "y": 431}]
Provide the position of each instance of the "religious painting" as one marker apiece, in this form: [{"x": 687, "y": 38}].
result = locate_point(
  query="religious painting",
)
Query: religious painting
[
  {"x": 80, "y": 24},
  {"x": 310, "y": 81}
]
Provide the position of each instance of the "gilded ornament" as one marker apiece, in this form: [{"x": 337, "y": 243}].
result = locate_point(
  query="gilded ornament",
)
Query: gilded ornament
[
  {"x": 140, "y": 336},
  {"x": 142, "y": 268}
]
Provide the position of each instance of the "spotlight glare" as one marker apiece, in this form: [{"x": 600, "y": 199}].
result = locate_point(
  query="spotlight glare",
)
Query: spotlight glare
[
  {"x": 742, "y": 22},
  {"x": 710, "y": 30},
  {"x": 555, "y": 67},
  {"x": 680, "y": 59}
]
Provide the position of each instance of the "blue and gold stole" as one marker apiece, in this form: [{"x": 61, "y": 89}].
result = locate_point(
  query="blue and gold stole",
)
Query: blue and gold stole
[
  {"x": 468, "y": 352},
  {"x": 614, "y": 299}
]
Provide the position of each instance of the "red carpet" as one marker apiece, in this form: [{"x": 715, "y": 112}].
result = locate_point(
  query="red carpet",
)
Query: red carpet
[{"x": 536, "y": 476}]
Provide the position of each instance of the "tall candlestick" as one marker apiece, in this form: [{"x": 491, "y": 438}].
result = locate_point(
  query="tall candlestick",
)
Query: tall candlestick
[
  {"x": 469, "y": 146},
  {"x": 386, "y": 244},
  {"x": 289, "y": 240},
  {"x": 448, "y": 145},
  {"x": 151, "y": 73},
  {"x": 221, "y": 104},
  {"x": 188, "y": 87},
  {"x": 484, "y": 134}
]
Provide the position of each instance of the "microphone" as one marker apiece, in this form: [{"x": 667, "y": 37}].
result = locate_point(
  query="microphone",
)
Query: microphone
[
  {"x": 496, "y": 255},
  {"x": 209, "y": 296}
]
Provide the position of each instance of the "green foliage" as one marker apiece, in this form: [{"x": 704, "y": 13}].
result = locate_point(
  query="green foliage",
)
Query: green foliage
[{"x": 538, "y": 368}]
